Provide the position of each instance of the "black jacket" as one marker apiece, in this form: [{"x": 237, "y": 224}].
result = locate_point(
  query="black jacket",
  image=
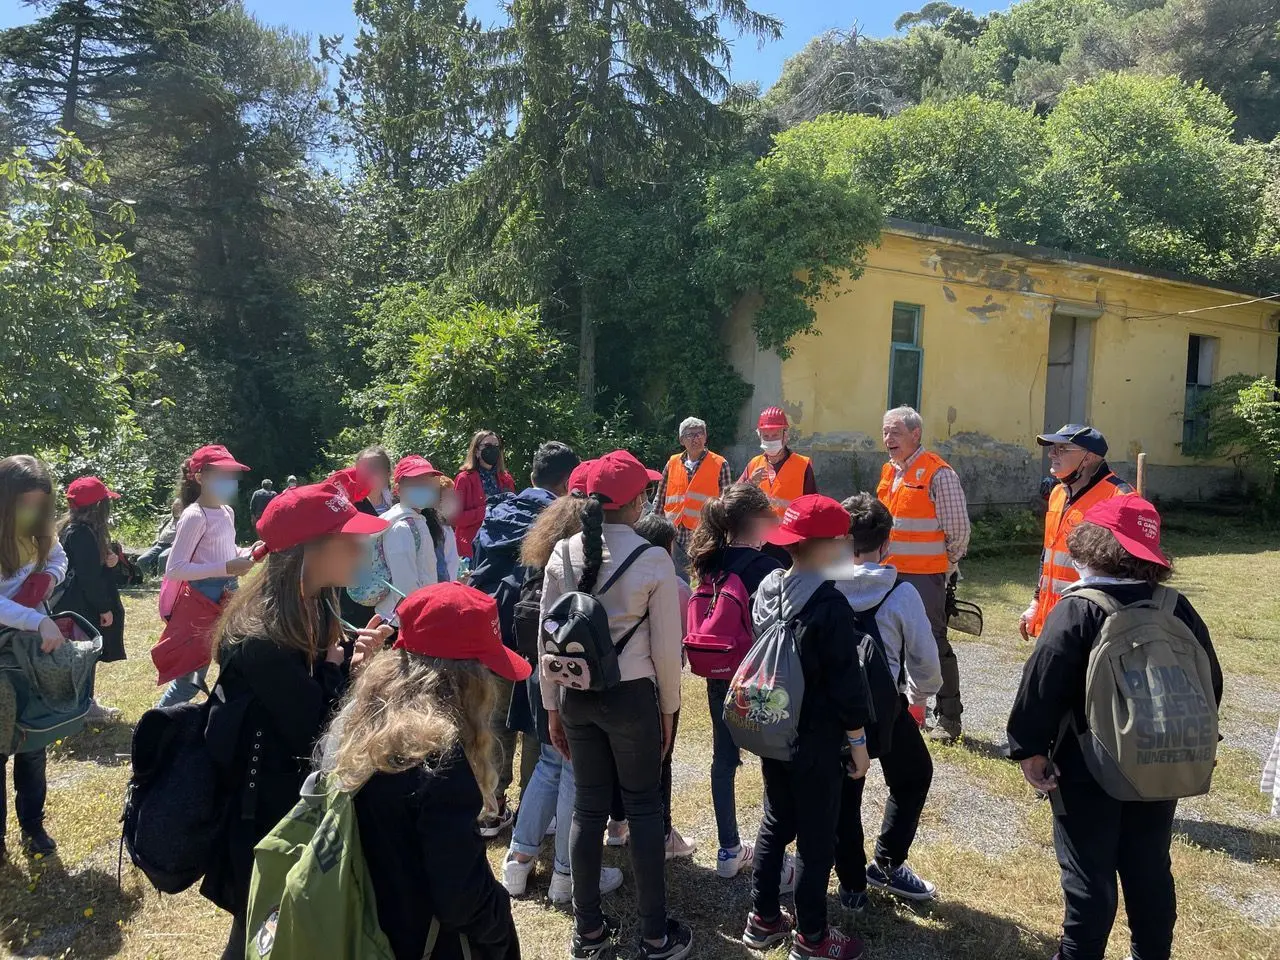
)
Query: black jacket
[
  {"x": 418, "y": 831},
  {"x": 1053, "y": 680},
  {"x": 267, "y": 755},
  {"x": 835, "y": 698},
  {"x": 91, "y": 588}
]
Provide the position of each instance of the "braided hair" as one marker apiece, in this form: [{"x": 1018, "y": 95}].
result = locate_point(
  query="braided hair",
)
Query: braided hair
[{"x": 592, "y": 541}]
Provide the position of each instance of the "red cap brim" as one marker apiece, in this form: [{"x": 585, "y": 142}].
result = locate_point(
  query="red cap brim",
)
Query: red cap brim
[
  {"x": 1143, "y": 551},
  {"x": 508, "y": 664},
  {"x": 654, "y": 475},
  {"x": 226, "y": 465},
  {"x": 363, "y": 523},
  {"x": 782, "y": 537},
  {"x": 417, "y": 472}
]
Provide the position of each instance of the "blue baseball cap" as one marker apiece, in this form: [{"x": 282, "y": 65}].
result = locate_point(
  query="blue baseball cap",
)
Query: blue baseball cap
[{"x": 1081, "y": 435}]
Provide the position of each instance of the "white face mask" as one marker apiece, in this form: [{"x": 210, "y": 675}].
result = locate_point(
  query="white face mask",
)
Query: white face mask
[{"x": 771, "y": 446}]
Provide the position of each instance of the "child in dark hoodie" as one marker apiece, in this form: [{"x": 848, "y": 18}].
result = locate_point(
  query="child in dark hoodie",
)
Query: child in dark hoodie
[
  {"x": 875, "y": 591},
  {"x": 802, "y": 795}
]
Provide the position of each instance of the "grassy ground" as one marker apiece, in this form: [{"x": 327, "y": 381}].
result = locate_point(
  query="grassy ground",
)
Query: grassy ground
[{"x": 984, "y": 839}]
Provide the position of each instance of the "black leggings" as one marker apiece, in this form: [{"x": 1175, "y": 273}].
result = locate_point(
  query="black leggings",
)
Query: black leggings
[
  {"x": 615, "y": 737},
  {"x": 29, "y": 787},
  {"x": 616, "y": 810}
]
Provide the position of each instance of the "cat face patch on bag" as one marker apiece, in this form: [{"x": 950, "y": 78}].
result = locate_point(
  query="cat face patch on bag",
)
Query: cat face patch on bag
[{"x": 566, "y": 666}]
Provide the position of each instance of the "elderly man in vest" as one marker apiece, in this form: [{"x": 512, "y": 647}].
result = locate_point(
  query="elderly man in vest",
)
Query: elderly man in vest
[
  {"x": 780, "y": 472},
  {"x": 1077, "y": 460},
  {"x": 930, "y": 536},
  {"x": 689, "y": 480}
]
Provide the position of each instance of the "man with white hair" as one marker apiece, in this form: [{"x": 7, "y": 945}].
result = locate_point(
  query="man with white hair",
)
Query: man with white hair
[
  {"x": 930, "y": 536},
  {"x": 689, "y": 480}
]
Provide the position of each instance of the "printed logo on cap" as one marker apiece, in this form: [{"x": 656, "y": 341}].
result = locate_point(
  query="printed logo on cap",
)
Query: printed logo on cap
[
  {"x": 791, "y": 516},
  {"x": 338, "y": 503},
  {"x": 1150, "y": 527}
]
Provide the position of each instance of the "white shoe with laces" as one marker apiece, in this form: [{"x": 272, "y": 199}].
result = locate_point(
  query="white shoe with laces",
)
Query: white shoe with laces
[
  {"x": 729, "y": 863},
  {"x": 515, "y": 875}
]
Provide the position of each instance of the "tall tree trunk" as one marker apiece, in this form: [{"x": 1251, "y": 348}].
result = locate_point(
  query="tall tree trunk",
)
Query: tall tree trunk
[
  {"x": 70, "y": 102},
  {"x": 587, "y": 352}
]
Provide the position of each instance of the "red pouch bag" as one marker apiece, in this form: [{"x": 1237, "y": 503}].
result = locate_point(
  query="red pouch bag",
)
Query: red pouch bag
[
  {"x": 34, "y": 590},
  {"x": 183, "y": 646}
]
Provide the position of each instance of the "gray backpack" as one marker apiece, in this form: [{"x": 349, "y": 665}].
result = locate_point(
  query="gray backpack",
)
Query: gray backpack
[
  {"x": 1152, "y": 717},
  {"x": 762, "y": 708}
]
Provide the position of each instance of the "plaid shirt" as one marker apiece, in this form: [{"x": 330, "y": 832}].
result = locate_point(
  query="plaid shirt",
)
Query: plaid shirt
[
  {"x": 950, "y": 503},
  {"x": 684, "y": 534}
]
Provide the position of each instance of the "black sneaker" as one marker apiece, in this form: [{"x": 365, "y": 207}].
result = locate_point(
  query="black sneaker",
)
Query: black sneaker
[
  {"x": 584, "y": 948},
  {"x": 490, "y": 825},
  {"x": 37, "y": 843},
  {"x": 855, "y": 901},
  {"x": 763, "y": 934},
  {"x": 677, "y": 945}
]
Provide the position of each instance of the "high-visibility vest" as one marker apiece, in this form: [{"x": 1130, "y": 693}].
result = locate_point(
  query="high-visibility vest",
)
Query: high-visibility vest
[
  {"x": 686, "y": 497},
  {"x": 784, "y": 485},
  {"x": 917, "y": 544},
  {"x": 1057, "y": 572}
]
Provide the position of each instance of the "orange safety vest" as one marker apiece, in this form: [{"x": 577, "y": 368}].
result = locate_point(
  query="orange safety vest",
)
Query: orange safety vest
[
  {"x": 917, "y": 543},
  {"x": 685, "y": 497},
  {"x": 1057, "y": 572},
  {"x": 781, "y": 486}
]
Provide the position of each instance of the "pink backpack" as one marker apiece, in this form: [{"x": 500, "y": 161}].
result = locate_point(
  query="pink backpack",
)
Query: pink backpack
[{"x": 719, "y": 627}]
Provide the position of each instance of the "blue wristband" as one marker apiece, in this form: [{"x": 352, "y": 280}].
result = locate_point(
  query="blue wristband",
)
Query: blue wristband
[{"x": 858, "y": 741}]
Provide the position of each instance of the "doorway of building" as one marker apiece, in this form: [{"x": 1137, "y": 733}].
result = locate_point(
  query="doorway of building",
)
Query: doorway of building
[{"x": 1067, "y": 380}]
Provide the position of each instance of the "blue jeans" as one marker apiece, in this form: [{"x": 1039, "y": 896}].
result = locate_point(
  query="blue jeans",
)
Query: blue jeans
[
  {"x": 549, "y": 794},
  {"x": 725, "y": 761},
  {"x": 183, "y": 689}
]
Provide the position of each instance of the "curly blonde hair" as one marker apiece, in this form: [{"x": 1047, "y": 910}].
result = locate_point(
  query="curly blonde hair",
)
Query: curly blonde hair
[{"x": 405, "y": 709}]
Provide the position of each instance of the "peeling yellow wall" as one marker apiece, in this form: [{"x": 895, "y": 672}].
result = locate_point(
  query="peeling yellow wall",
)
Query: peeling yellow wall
[{"x": 985, "y": 331}]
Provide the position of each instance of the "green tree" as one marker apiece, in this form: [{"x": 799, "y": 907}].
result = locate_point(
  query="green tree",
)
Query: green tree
[
  {"x": 68, "y": 338},
  {"x": 1144, "y": 169},
  {"x": 926, "y": 165},
  {"x": 471, "y": 366},
  {"x": 602, "y": 93}
]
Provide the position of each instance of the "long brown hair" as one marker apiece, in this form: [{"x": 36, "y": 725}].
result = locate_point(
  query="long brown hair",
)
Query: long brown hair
[
  {"x": 189, "y": 486},
  {"x": 559, "y": 521},
  {"x": 473, "y": 452},
  {"x": 724, "y": 519},
  {"x": 18, "y": 475},
  {"x": 95, "y": 518},
  {"x": 272, "y": 605},
  {"x": 404, "y": 709}
]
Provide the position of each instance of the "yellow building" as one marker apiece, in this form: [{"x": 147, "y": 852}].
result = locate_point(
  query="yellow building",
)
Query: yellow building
[{"x": 995, "y": 342}]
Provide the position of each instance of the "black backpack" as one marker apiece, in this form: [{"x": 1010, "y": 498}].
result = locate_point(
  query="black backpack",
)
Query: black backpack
[
  {"x": 175, "y": 801},
  {"x": 579, "y": 650},
  {"x": 884, "y": 701},
  {"x": 526, "y": 616}
]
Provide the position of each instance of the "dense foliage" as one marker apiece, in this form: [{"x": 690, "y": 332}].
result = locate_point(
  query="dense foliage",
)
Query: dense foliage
[{"x": 545, "y": 226}]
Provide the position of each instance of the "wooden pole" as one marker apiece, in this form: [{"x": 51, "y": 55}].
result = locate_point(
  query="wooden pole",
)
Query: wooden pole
[{"x": 1142, "y": 474}]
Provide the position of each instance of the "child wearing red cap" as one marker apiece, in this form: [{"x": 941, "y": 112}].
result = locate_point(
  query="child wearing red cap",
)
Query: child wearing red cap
[
  {"x": 91, "y": 590},
  {"x": 413, "y": 740},
  {"x": 418, "y": 549},
  {"x": 1117, "y": 550},
  {"x": 280, "y": 674},
  {"x": 204, "y": 552},
  {"x": 622, "y": 732},
  {"x": 32, "y": 563},
  {"x": 802, "y": 795}
]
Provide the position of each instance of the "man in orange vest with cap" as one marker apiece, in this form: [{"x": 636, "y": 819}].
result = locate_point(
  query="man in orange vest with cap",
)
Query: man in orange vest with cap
[
  {"x": 780, "y": 472},
  {"x": 688, "y": 481},
  {"x": 930, "y": 536},
  {"x": 1077, "y": 460}
]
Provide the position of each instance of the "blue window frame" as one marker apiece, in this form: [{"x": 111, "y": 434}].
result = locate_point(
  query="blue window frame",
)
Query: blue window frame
[{"x": 906, "y": 358}]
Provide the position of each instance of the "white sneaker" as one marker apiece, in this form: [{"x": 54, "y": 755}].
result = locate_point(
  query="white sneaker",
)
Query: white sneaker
[
  {"x": 561, "y": 889},
  {"x": 515, "y": 875},
  {"x": 787, "y": 883},
  {"x": 618, "y": 834},
  {"x": 678, "y": 846},
  {"x": 730, "y": 863},
  {"x": 101, "y": 712}
]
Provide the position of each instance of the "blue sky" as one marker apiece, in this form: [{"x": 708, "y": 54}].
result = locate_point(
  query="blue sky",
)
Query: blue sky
[{"x": 802, "y": 19}]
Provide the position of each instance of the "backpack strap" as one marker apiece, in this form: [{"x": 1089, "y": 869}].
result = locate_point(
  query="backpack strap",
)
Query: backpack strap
[
  {"x": 1109, "y": 604},
  {"x": 632, "y": 557},
  {"x": 1166, "y": 598},
  {"x": 872, "y": 611}
]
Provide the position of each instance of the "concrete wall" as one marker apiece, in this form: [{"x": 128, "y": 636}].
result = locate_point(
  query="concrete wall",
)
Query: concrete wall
[{"x": 984, "y": 332}]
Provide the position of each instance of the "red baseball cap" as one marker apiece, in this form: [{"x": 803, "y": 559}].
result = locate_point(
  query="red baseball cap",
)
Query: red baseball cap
[
  {"x": 214, "y": 455},
  {"x": 316, "y": 510},
  {"x": 619, "y": 477},
  {"x": 414, "y": 466},
  {"x": 772, "y": 418},
  {"x": 87, "y": 491},
  {"x": 1135, "y": 522},
  {"x": 811, "y": 517},
  {"x": 350, "y": 482},
  {"x": 456, "y": 622},
  {"x": 578, "y": 478}
]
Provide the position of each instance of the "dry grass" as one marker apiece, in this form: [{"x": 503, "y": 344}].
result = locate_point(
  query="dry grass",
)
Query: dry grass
[{"x": 1000, "y": 901}]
